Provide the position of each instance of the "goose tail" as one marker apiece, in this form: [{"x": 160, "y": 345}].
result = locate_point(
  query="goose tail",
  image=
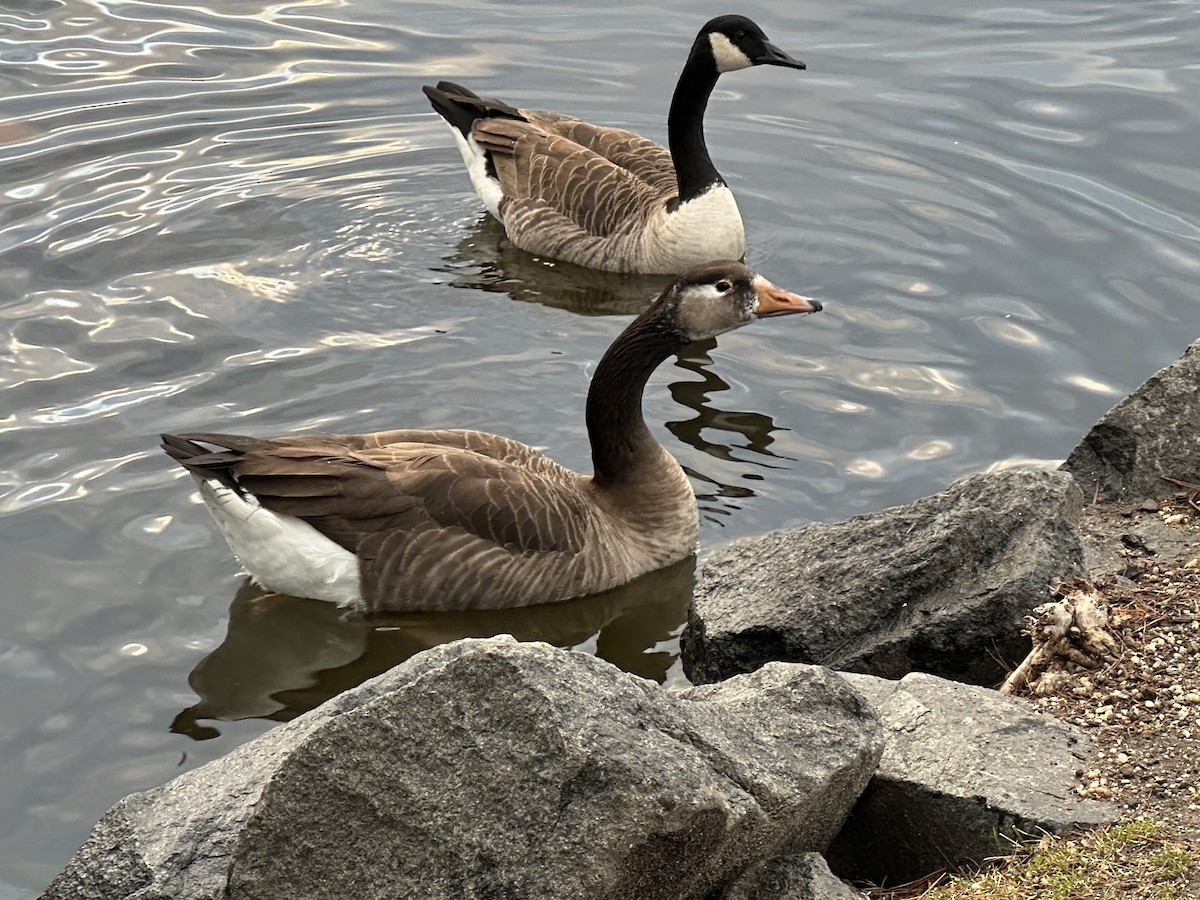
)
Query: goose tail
[
  {"x": 213, "y": 465},
  {"x": 461, "y": 107}
]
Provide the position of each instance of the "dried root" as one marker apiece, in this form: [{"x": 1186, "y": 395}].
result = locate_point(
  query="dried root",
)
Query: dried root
[{"x": 1070, "y": 630}]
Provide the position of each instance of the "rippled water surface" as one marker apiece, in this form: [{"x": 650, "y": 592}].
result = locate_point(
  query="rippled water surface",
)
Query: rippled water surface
[{"x": 243, "y": 216}]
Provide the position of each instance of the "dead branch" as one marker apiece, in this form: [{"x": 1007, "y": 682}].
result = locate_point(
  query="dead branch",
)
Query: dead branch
[{"x": 1072, "y": 630}]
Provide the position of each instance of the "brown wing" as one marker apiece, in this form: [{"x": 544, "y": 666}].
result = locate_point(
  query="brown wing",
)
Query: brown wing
[
  {"x": 434, "y": 526},
  {"x": 439, "y": 520},
  {"x": 646, "y": 160},
  {"x": 485, "y": 444},
  {"x": 357, "y": 494},
  {"x": 541, "y": 169}
]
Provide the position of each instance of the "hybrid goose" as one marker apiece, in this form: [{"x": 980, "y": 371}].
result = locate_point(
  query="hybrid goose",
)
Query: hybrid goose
[
  {"x": 603, "y": 197},
  {"x": 448, "y": 520}
]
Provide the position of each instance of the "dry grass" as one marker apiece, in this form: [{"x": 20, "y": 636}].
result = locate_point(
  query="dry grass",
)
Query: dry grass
[{"x": 1138, "y": 860}]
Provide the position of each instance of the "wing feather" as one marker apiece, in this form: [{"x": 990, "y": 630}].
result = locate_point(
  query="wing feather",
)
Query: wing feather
[
  {"x": 434, "y": 525},
  {"x": 348, "y": 495},
  {"x": 646, "y": 160},
  {"x": 539, "y": 168}
]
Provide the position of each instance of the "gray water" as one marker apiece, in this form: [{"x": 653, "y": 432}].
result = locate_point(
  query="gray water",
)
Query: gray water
[{"x": 244, "y": 217}]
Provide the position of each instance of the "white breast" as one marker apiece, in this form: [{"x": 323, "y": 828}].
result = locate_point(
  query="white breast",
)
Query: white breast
[
  {"x": 283, "y": 553},
  {"x": 705, "y": 228}
]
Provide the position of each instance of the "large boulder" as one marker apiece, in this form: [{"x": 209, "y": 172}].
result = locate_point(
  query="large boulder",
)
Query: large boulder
[
  {"x": 1153, "y": 432},
  {"x": 940, "y": 585},
  {"x": 488, "y": 768},
  {"x": 966, "y": 773}
]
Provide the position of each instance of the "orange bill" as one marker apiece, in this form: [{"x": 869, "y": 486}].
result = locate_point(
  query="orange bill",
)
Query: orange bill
[{"x": 775, "y": 301}]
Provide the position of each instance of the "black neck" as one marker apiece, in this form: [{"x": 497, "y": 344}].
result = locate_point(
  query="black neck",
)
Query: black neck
[
  {"x": 616, "y": 429},
  {"x": 694, "y": 170}
]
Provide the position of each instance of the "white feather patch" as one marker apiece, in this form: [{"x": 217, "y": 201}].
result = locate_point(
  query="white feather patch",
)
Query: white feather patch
[
  {"x": 729, "y": 58},
  {"x": 283, "y": 553},
  {"x": 705, "y": 228},
  {"x": 487, "y": 187}
]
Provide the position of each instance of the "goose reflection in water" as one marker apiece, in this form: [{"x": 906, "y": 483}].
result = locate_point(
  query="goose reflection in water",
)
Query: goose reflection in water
[
  {"x": 485, "y": 260},
  {"x": 755, "y": 429},
  {"x": 283, "y": 656}
]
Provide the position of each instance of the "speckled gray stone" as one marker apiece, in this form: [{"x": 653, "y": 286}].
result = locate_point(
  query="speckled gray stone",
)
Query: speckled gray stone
[
  {"x": 1155, "y": 431},
  {"x": 965, "y": 770},
  {"x": 802, "y": 877},
  {"x": 941, "y": 585},
  {"x": 488, "y": 768}
]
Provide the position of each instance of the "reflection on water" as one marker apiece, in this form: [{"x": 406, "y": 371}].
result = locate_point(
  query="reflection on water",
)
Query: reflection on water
[
  {"x": 485, "y": 260},
  {"x": 754, "y": 428},
  {"x": 283, "y": 655}
]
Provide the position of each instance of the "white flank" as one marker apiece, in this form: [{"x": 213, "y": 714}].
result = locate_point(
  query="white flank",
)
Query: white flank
[
  {"x": 729, "y": 58},
  {"x": 283, "y": 553},
  {"x": 705, "y": 228},
  {"x": 486, "y": 187}
]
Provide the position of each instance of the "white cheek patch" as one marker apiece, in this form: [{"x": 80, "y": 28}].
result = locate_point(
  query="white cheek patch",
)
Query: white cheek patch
[{"x": 729, "y": 58}]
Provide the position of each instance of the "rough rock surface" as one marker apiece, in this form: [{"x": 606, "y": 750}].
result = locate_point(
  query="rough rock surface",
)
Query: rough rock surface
[
  {"x": 1116, "y": 539},
  {"x": 488, "y": 768},
  {"x": 965, "y": 769},
  {"x": 802, "y": 877},
  {"x": 940, "y": 585},
  {"x": 1155, "y": 431}
]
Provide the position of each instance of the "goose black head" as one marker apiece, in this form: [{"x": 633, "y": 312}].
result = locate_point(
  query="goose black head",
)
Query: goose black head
[{"x": 736, "y": 42}]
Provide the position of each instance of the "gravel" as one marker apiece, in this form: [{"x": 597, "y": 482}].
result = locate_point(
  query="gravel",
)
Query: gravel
[{"x": 1142, "y": 708}]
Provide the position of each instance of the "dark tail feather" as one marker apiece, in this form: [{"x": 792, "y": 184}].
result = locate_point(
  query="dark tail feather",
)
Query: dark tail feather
[
  {"x": 217, "y": 465},
  {"x": 461, "y": 107}
]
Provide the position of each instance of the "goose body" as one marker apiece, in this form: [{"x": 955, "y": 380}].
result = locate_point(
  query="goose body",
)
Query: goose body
[
  {"x": 604, "y": 197},
  {"x": 455, "y": 519}
]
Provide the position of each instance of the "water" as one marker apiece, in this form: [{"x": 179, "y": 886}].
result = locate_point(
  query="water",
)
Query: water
[{"x": 244, "y": 216}]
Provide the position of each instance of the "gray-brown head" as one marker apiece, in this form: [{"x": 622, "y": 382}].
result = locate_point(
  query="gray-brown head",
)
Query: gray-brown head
[{"x": 716, "y": 297}]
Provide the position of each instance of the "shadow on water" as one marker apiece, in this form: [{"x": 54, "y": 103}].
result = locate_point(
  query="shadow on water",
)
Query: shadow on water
[
  {"x": 485, "y": 260},
  {"x": 283, "y": 656}
]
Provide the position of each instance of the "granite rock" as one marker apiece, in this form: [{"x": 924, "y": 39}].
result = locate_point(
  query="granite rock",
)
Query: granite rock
[
  {"x": 941, "y": 585},
  {"x": 1153, "y": 432},
  {"x": 967, "y": 771},
  {"x": 488, "y": 768}
]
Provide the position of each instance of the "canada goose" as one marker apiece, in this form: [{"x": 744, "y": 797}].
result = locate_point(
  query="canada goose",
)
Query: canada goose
[
  {"x": 440, "y": 520},
  {"x": 604, "y": 197}
]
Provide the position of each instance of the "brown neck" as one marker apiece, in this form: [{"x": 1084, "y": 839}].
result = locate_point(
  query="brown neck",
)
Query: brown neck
[{"x": 618, "y": 433}]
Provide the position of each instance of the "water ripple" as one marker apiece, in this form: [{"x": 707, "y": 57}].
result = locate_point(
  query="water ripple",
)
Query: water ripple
[{"x": 244, "y": 215}]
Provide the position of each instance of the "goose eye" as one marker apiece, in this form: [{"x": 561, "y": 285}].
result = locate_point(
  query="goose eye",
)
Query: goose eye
[
  {"x": 739, "y": 35},
  {"x": 723, "y": 287}
]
